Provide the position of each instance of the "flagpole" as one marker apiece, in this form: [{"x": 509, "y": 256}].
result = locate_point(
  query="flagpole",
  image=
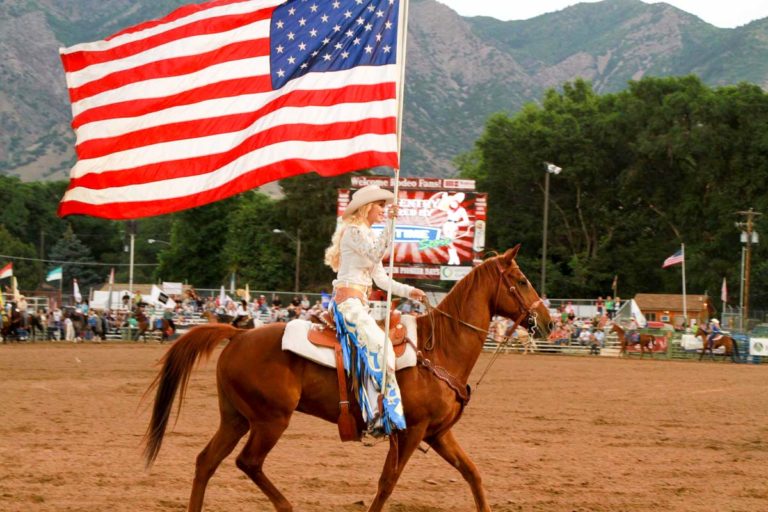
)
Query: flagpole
[
  {"x": 685, "y": 309},
  {"x": 402, "y": 23},
  {"x": 130, "y": 275}
]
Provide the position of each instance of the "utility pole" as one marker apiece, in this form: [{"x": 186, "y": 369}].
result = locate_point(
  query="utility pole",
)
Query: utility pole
[{"x": 749, "y": 232}]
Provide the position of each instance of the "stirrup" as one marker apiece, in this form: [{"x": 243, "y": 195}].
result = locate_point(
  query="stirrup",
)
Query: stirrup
[{"x": 372, "y": 436}]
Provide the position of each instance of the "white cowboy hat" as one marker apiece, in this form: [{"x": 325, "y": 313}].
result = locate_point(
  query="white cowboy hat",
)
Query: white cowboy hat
[
  {"x": 365, "y": 195},
  {"x": 716, "y": 320}
]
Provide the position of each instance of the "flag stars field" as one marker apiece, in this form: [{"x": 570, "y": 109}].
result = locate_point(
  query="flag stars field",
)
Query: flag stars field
[{"x": 221, "y": 97}]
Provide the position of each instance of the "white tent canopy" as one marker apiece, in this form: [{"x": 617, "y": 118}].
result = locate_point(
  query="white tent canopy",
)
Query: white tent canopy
[{"x": 628, "y": 311}]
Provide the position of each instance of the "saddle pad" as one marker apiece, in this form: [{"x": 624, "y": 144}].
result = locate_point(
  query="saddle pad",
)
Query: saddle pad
[{"x": 295, "y": 340}]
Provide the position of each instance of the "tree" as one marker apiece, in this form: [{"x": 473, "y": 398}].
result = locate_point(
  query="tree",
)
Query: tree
[
  {"x": 27, "y": 271},
  {"x": 78, "y": 261},
  {"x": 660, "y": 164},
  {"x": 251, "y": 249},
  {"x": 198, "y": 238}
]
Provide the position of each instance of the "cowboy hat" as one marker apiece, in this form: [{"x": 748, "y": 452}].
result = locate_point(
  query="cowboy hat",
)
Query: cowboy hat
[{"x": 365, "y": 195}]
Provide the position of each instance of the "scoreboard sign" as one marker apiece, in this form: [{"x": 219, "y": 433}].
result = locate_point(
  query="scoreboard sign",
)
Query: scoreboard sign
[{"x": 435, "y": 229}]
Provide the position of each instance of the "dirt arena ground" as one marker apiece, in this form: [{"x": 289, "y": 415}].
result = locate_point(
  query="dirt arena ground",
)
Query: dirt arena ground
[{"x": 549, "y": 433}]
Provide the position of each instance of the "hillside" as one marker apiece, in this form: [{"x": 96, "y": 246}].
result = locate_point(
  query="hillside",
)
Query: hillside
[{"x": 459, "y": 71}]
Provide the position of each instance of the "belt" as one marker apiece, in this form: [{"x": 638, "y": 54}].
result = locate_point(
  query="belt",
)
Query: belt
[
  {"x": 358, "y": 287},
  {"x": 351, "y": 291}
]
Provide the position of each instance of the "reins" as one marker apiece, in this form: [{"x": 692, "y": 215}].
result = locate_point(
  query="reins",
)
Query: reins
[{"x": 526, "y": 312}]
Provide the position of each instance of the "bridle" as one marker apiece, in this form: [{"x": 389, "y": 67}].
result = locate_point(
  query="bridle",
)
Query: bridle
[{"x": 527, "y": 311}]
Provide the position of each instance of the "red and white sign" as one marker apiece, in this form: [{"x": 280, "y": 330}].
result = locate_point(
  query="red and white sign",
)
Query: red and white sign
[
  {"x": 6, "y": 271},
  {"x": 435, "y": 228}
]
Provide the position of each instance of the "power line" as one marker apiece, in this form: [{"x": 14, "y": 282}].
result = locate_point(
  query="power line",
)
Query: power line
[{"x": 79, "y": 263}]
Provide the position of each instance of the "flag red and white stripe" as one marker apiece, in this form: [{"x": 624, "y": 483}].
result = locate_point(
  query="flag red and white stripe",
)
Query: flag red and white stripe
[
  {"x": 724, "y": 292},
  {"x": 675, "y": 259},
  {"x": 181, "y": 112},
  {"x": 6, "y": 271}
]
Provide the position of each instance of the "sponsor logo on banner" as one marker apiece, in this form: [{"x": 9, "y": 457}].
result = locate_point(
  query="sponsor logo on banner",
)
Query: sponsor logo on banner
[
  {"x": 453, "y": 273},
  {"x": 758, "y": 347}
]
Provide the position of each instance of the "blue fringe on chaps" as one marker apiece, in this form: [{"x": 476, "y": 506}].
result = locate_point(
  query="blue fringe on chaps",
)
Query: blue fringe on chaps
[{"x": 362, "y": 344}]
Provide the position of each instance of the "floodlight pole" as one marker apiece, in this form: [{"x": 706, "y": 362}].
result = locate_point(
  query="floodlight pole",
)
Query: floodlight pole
[{"x": 550, "y": 169}]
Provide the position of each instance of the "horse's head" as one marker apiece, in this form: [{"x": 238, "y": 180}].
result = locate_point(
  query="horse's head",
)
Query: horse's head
[{"x": 516, "y": 297}]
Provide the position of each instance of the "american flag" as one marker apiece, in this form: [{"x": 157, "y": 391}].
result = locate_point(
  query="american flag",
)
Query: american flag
[
  {"x": 675, "y": 259},
  {"x": 221, "y": 97}
]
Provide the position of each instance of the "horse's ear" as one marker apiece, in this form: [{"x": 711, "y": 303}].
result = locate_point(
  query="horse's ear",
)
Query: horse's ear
[{"x": 511, "y": 254}]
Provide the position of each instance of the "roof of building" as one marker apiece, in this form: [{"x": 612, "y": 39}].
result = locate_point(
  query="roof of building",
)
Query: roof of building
[{"x": 671, "y": 302}]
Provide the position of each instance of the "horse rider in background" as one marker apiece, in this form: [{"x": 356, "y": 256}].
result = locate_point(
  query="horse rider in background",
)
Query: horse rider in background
[{"x": 714, "y": 331}]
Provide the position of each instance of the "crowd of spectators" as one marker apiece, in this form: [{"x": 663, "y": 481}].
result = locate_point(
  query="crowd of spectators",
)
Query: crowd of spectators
[{"x": 81, "y": 322}]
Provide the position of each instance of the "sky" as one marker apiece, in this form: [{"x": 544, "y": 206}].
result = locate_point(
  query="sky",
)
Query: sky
[{"x": 720, "y": 13}]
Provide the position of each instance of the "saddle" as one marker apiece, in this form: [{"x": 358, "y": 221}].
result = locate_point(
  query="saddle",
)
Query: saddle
[
  {"x": 325, "y": 335},
  {"x": 397, "y": 331}
]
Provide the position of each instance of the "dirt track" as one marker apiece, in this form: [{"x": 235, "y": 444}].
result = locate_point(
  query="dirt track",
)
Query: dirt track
[{"x": 549, "y": 433}]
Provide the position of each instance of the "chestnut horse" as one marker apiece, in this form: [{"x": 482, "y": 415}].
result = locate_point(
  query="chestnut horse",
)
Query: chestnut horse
[
  {"x": 731, "y": 348},
  {"x": 145, "y": 326},
  {"x": 260, "y": 385},
  {"x": 646, "y": 341}
]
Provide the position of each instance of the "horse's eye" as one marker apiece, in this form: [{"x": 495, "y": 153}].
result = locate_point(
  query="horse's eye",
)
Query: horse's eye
[{"x": 523, "y": 282}]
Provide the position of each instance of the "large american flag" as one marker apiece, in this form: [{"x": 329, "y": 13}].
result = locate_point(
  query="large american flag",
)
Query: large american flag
[{"x": 218, "y": 98}]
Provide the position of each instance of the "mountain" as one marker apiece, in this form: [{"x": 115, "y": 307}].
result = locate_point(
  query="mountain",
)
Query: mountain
[{"x": 459, "y": 69}]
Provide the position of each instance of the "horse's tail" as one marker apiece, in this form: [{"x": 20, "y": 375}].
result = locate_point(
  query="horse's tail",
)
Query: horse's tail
[
  {"x": 735, "y": 356},
  {"x": 177, "y": 365}
]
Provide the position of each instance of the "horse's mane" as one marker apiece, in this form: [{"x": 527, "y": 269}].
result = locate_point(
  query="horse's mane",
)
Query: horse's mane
[{"x": 432, "y": 324}]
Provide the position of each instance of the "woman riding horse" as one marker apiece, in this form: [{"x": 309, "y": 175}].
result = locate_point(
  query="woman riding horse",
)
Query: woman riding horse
[
  {"x": 260, "y": 385},
  {"x": 355, "y": 254},
  {"x": 725, "y": 341},
  {"x": 645, "y": 341}
]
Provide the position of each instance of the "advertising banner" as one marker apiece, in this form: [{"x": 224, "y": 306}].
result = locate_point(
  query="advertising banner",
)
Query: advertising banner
[{"x": 435, "y": 228}]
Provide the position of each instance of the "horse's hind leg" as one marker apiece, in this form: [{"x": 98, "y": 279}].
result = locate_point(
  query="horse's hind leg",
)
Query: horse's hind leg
[
  {"x": 450, "y": 450},
  {"x": 264, "y": 436},
  {"x": 232, "y": 427}
]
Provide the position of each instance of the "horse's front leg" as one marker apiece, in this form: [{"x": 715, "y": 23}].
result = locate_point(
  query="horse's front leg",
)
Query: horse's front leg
[
  {"x": 449, "y": 449},
  {"x": 401, "y": 447}
]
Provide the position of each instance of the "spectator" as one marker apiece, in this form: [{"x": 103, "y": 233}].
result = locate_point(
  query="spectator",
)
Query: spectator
[
  {"x": 598, "y": 342},
  {"x": 600, "y": 305},
  {"x": 305, "y": 304},
  {"x": 609, "y": 306},
  {"x": 58, "y": 325},
  {"x": 22, "y": 306},
  {"x": 69, "y": 329},
  {"x": 585, "y": 337},
  {"x": 570, "y": 311}
]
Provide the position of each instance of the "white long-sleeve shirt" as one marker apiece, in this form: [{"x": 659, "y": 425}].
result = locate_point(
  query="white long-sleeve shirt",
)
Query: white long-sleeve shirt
[{"x": 360, "y": 260}]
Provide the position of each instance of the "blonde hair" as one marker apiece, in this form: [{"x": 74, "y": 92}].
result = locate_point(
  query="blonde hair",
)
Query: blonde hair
[{"x": 333, "y": 252}]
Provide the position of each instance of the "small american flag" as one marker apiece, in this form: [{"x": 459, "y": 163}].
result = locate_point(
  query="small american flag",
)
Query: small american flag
[
  {"x": 221, "y": 97},
  {"x": 675, "y": 259}
]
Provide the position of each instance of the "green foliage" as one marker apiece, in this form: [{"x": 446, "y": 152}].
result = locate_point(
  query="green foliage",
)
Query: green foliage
[
  {"x": 252, "y": 250},
  {"x": 27, "y": 272},
  {"x": 668, "y": 161},
  {"x": 198, "y": 238},
  {"x": 69, "y": 248}
]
